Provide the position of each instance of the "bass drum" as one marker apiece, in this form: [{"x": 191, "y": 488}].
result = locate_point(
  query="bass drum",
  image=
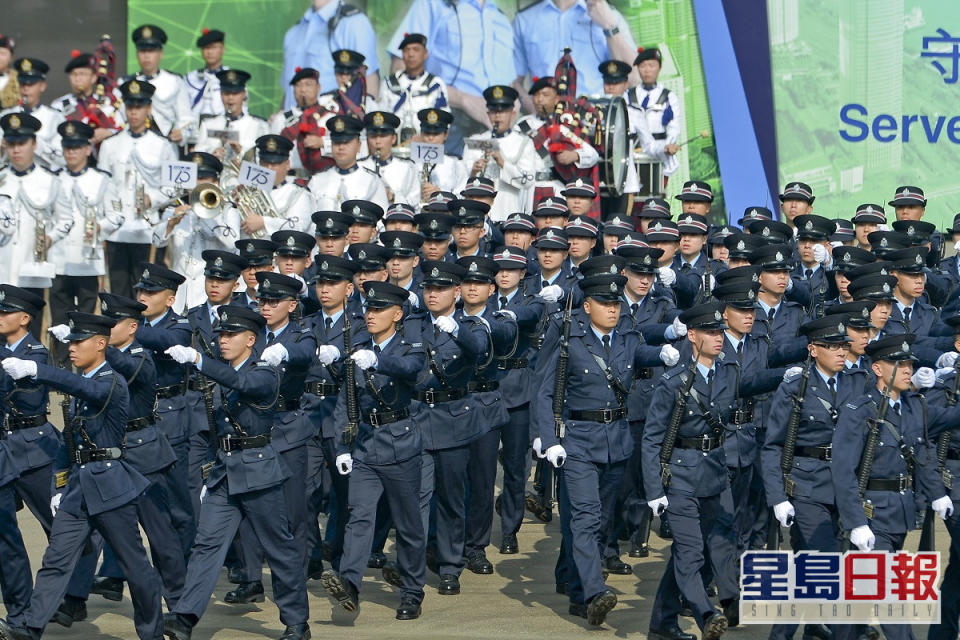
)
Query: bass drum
[{"x": 614, "y": 124}]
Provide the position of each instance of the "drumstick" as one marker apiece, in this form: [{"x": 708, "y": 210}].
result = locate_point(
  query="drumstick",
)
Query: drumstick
[{"x": 703, "y": 134}]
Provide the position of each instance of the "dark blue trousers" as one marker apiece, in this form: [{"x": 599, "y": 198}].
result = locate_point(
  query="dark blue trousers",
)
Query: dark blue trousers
[
  {"x": 515, "y": 438},
  {"x": 220, "y": 516},
  {"x": 67, "y": 539},
  {"x": 339, "y": 489},
  {"x": 400, "y": 484},
  {"x": 482, "y": 474},
  {"x": 692, "y": 521},
  {"x": 447, "y": 484},
  {"x": 631, "y": 510},
  {"x": 592, "y": 493}
]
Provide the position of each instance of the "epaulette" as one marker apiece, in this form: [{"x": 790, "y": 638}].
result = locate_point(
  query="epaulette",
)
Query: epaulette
[
  {"x": 348, "y": 10},
  {"x": 182, "y": 321},
  {"x": 136, "y": 350},
  {"x": 37, "y": 347},
  {"x": 108, "y": 372}
]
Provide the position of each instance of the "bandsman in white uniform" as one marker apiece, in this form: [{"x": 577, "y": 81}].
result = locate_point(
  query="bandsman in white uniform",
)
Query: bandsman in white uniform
[
  {"x": 661, "y": 108},
  {"x": 135, "y": 158},
  {"x": 171, "y": 104},
  {"x": 186, "y": 234},
  {"x": 503, "y": 155},
  {"x": 292, "y": 204},
  {"x": 413, "y": 89},
  {"x": 34, "y": 212},
  {"x": 399, "y": 175},
  {"x": 32, "y": 78},
  {"x": 449, "y": 174},
  {"x": 95, "y": 213},
  {"x": 346, "y": 180},
  {"x": 203, "y": 86},
  {"x": 214, "y": 130}
]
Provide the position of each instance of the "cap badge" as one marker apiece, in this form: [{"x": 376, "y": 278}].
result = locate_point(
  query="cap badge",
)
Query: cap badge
[
  {"x": 905, "y": 346},
  {"x": 324, "y": 265},
  {"x": 134, "y": 88},
  {"x": 883, "y": 242},
  {"x": 753, "y": 213},
  {"x": 145, "y": 275},
  {"x": 71, "y": 325},
  {"x": 372, "y": 293},
  {"x": 766, "y": 232},
  {"x": 497, "y": 92},
  {"x": 271, "y": 145},
  {"x": 750, "y": 294},
  {"x": 328, "y": 223},
  {"x": 809, "y": 225},
  {"x": 840, "y": 327},
  {"x": 627, "y": 238},
  {"x": 344, "y": 56},
  {"x": 198, "y": 159},
  {"x": 579, "y": 182},
  {"x": 658, "y": 227},
  {"x": 741, "y": 245},
  {"x": 869, "y": 209},
  {"x": 886, "y": 288},
  {"x": 717, "y": 316},
  {"x": 613, "y": 287},
  {"x": 231, "y": 76},
  {"x": 612, "y": 68},
  {"x": 435, "y": 273},
  {"x": 250, "y": 247},
  {"x": 755, "y": 278},
  {"x": 396, "y": 243},
  {"x": 432, "y": 117},
  {"x": 846, "y": 257},
  {"x": 433, "y": 224},
  {"x": 779, "y": 257},
  {"x": 338, "y": 125},
  {"x": 462, "y": 211},
  {"x": 473, "y": 267},
  {"x": 290, "y": 241},
  {"x": 865, "y": 312},
  {"x": 361, "y": 255},
  {"x": 26, "y": 65},
  {"x": 15, "y": 122},
  {"x": 355, "y": 210},
  {"x": 223, "y": 316},
  {"x": 646, "y": 259},
  {"x": 3, "y": 295},
  {"x": 549, "y": 234},
  {"x": 266, "y": 284},
  {"x": 146, "y": 32},
  {"x": 103, "y": 305},
  {"x": 218, "y": 262},
  {"x": 70, "y": 129},
  {"x": 911, "y": 230},
  {"x": 378, "y": 119},
  {"x": 918, "y": 259}
]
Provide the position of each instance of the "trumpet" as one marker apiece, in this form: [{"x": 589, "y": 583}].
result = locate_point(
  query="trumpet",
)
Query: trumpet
[
  {"x": 492, "y": 172},
  {"x": 250, "y": 200},
  {"x": 91, "y": 232},
  {"x": 205, "y": 200},
  {"x": 40, "y": 240}
]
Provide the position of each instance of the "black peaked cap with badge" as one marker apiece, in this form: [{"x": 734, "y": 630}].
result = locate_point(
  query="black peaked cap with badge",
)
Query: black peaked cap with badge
[
  {"x": 235, "y": 318},
  {"x": 602, "y": 265},
  {"x": 829, "y": 329},
  {"x": 334, "y": 269},
  {"x": 895, "y": 348},
  {"x": 380, "y": 295},
  {"x": 369, "y": 256},
  {"x": 117, "y": 307},
  {"x": 440, "y": 273},
  {"x": 223, "y": 265},
  {"x": 256, "y": 252},
  {"x": 157, "y": 277},
  {"x": 13, "y": 299},
  {"x": 856, "y": 314},
  {"x": 331, "y": 224},
  {"x": 705, "y": 317},
  {"x": 402, "y": 243},
  {"x": 87, "y": 325},
  {"x": 273, "y": 148},
  {"x": 605, "y": 287},
  {"x": 479, "y": 269},
  {"x": 291, "y": 242},
  {"x": 277, "y": 286},
  {"x": 363, "y": 211}
]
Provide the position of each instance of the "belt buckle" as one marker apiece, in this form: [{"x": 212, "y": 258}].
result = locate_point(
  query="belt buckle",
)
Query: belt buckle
[
  {"x": 828, "y": 453},
  {"x": 374, "y": 418},
  {"x": 429, "y": 397},
  {"x": 607, "y": 415},
  {"x": 705, "y": 443},
  {"x": 226, "y": 444},
  {"x": 77, "y": 457},
  {"x": 903, "y": 482}
]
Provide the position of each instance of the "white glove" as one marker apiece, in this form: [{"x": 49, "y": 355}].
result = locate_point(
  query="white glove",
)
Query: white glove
[
  {"x": 784, "y": 512},
  {"x": 303, "y": 285},
  {"x": 792, "y": 373},
  {"x": 820, "y": 253},
  {"x": 203, "y": 493},
  {"x": 679, "y": 329},
  {"x": 414, "y": 300},
  {"x": 862, "y": 538},
  {"x": 327, "y": 354},
  {"x": 669, "y": 355},
  {"x": 60, "y": 332},
  {"x": 836, "y": 243},
  {"x": 556, "y": 455},
  {"x": 55, "y": 503},
  {"x": 538, "y": 448},
  {"x": 365, "y": 359},
  {"x": 659, "y": 505},
  {"x": 667, "y": 275},
  {"x": 508, "y": 313},
  {"x": 446, "y": 324},
  {"x": 924, "y": 378},
  {"x": 182, "y": 354},
  {"x": 942, "y": 506},
  {"x": 17, "y": 368},
  {"x": 344, "y": 464},
  {"x": 943, "y": 372},
  {"x": 551, "y": 293},
  {"x": 274, "y": 354},
  {"x": 949, "y": 359}
]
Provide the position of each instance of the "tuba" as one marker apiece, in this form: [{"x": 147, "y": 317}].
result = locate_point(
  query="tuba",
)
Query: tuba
[{"x": 250, "y": 200}]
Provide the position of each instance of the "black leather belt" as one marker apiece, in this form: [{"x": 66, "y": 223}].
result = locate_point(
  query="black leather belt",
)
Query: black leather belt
[
  {"x": 822, "y": 452},
  {"x": 742, "y": 416},
  {"x": 237, "y": 443},
  {"x": 512, "y": 363},
  {"x": 702, "y": 443},
  {"x": 599, "y": 415},
  {"x": 14, "y": 423},
  {"x": 195, "y": 384},
  {"x": 479, "y": 386},
  {"x": 433, "y": 396},
  {"x": 643, "y": 373},
  {"x": 322, "y": 388},
  {"x": 287, "y": 404},
  {"x": 380, "y": 418},
  {"x": 139, "y": 423},
  {"x": 83, "y": 456},
  {"x": 169, "y": 392},
  {"x": 899, "y": 484}
]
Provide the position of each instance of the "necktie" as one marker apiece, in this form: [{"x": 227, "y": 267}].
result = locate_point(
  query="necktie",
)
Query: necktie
[
  {"x": 739, "y": 350},
  {"x": 770, "y": 315},
  {"x": 606, "y": 346},
  {"x": 271, "y": 336},
  {"x": 685, "y": 268},
  {"x": 376, "y": 349},
  {"x": 544, "y": 284},
  {"x": 503, "y": 302},
  {"x": 906, "y": 318},
  {"x": 710, "y": 383},
  {"x": 896, "y": 408},
  {"x": 808, "y": 273},
  {"x": 327, "y": 324},
  {"x": 832, "y": 383},
  {"x": 633, "y": 309}
]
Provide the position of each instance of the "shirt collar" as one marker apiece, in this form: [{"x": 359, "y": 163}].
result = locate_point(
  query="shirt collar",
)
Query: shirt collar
[
  {"x": 858, "y": 363},
  {"x": 239, "y": 366},
  {"x": 277, "y": 332},
  {"x": 94, "y": 372},
  {"x": 630, "y": 301},
  {"x": 77, "y": 174},
  {"x": 346, "y": 172},
  {"x": 13, "y": 347},
  {"x": 736, "y": 343},
  {"x": 20, "y": 174},
  {"x": 383, "y": 345},
  {"x": 579, "y": 4},
  {"x": 826, "y": 378},
  {"x": 554, "y": 278},
  {"x": 704, "y": 370},
  {"x": 157, "y": 321},
  {"x": 509, "y": 296},
  {"x": 333, "y": 318},
  {"x": 902, "y": 306},
  {"x": 600, "y": 335},
  {"x": 766, "y": 308}
]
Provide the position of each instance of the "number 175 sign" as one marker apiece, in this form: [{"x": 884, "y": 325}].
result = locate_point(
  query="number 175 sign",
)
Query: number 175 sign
[{"x": 253, "y": 175}]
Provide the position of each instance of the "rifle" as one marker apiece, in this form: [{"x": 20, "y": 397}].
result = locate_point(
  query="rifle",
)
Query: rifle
[
  {"x": 707, "y": 289},
  {"x": 549, "y": 477},
  {"x": 207, "y": 399},
  {"x": 943, "y": 440},
  {"x": 673, "y": 427},
  {"x": 350, "y": 381},
  {"x": 789, "y": 446},
  {"x": 870, "y": 448},
  {"x": 69, "y": 440}
]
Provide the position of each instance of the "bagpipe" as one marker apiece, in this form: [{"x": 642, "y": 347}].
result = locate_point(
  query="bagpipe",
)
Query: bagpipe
[
  {"x": 308, "y": 124},
  {"x": 99, "y": 108}
]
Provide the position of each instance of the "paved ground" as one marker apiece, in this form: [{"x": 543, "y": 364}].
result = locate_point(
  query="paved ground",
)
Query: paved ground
[{"x": 517, "y": 601}]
